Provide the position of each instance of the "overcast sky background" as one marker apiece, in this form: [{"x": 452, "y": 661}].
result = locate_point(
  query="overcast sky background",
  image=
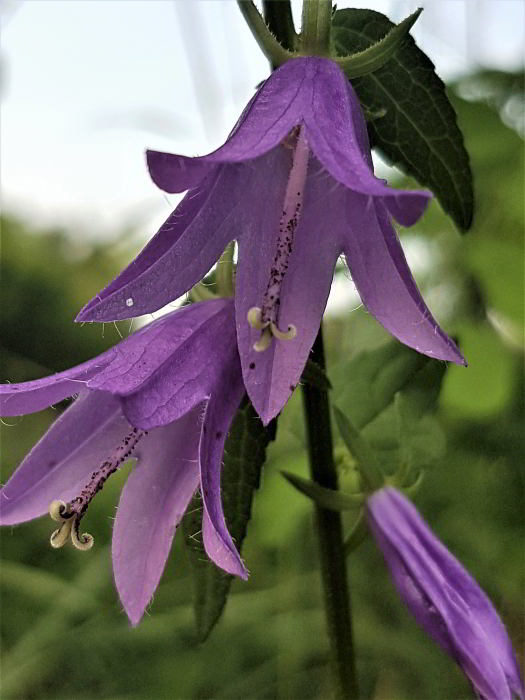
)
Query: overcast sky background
[{"x": 87, "y": 86}]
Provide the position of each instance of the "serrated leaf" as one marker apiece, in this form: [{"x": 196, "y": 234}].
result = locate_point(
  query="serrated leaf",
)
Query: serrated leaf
[
  {"x": 323, "y": 497},
  {"x": 419, "y": 132},
  {"x": 314, "y": 375},
  {"x": 244, "y": 456}
]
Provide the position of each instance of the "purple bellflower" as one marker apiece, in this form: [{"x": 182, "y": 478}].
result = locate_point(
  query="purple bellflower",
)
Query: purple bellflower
[
  {"x": 443, "y": 597},
  {"x": 294, "y": 185},
  {"x": 165, "y": 396}
]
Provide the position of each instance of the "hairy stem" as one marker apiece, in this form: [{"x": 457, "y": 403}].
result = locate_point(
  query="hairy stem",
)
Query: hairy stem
[
  {"x": 278, "y": 17},
  {"x": 315, "y": 27},
  {"x": 330, "y": 535}
]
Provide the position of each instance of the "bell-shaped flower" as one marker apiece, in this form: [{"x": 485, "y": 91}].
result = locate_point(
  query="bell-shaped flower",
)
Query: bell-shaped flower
[
  {"x": 165, "y": 396},
  {"x": 294, "y": 186},
  {"x": 443, "y": 597}
]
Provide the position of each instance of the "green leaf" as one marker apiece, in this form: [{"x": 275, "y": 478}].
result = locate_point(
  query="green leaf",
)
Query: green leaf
[
  {"x": 419, "y": 131},
  {"x": 244, "y": 456},
  {"x": 375, "y": 57},
  {"x": 323, "y": 497},
  {"x": 314, "y": 375},
  {"x": 367, "y": 384}
]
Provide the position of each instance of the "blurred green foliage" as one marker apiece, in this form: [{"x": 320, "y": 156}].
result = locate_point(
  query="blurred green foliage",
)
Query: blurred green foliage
[{"x": 64, "y": 634}]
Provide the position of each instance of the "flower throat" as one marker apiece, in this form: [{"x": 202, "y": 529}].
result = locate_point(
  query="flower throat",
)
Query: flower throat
[
  {"x": 70, "y": 514},
  {"x": 266, "y": 317}
]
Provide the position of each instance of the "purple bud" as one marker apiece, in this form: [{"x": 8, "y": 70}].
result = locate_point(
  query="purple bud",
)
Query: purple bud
[{"x": 443, "y": 597}]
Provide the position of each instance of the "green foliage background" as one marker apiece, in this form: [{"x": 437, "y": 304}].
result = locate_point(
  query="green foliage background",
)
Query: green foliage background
[{"x": 64, "y": 634}]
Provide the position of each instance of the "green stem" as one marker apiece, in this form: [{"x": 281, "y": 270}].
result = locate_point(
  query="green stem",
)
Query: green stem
[
  {"x": 330, "y": 535},
  {"x": 316, "y": 24},
  {"x": 278, "y": 16}
]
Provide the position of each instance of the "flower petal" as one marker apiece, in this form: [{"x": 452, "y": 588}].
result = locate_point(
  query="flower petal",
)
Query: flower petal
[
  {"x": 61, "y": 462},
  {"x": 189, "y": 374},
  {"x": 174, "y": 266},
  {"x": 477, "y": 601},
  {"x": 168, "y": 234},
  {"x": 151, "y": 506},
  {"x": 139, "y": 356},
  {"x": 336, "y": 132},
  {"x": 271, "y": 376},
  {"x": 436, "y": 598},
  {"x": 384, "y": 281},
  {"x": 28, "y": 397},
  {"x": 218, "y": 415},
  {"x": 270, "y": 115}
]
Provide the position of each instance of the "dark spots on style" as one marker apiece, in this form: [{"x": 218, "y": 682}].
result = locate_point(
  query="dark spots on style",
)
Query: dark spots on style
[{"x": 252, "y": 365}]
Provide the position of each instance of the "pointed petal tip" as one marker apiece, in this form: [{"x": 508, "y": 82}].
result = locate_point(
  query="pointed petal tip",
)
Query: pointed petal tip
[
  {"x": 134, "y": 611},
  {"x": 85, "y": 314}
]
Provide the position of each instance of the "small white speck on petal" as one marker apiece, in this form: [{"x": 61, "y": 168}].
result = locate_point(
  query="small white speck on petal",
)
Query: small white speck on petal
[{"x": 129, "y": 302}]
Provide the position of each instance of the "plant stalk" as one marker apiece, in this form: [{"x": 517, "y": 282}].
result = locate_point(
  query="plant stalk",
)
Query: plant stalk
[
  {"x": 330, "y": 535},
  {"x": 316, "y": 24}
]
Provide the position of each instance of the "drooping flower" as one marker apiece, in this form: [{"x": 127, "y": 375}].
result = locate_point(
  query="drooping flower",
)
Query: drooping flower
[
  {"x": 165, "y": 396},
  {"x": 294, "y": 185},
  {"x": 443, "y": 597}
]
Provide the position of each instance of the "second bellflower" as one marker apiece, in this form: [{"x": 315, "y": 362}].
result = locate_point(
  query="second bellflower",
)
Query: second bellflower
[
  {"x": 166, "y": 396},
  {"x": 294, "y": 185}
]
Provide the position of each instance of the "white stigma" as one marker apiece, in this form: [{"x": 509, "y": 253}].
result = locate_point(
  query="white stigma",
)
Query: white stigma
[
  {"x": 266, "y": 317},
  {"x": 70, "y": 514}
]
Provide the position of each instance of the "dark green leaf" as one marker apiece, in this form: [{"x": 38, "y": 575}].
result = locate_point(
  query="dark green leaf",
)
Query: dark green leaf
[
  {"x": 314, "y": 375},
  {"x": 323, "y": 497},
  {"x": 419, "y": 132},
  {"x": 244, "y": 456}
]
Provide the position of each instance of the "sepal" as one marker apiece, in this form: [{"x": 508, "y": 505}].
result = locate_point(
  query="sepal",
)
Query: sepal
[
  {"x": 323, "y": 497},
  {"x": 373, "y": 58},
  {"x": 272, "y": 49}
]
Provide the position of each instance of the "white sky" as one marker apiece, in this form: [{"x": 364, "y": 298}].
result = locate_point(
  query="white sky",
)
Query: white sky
[{"x": 88, "y": 85}]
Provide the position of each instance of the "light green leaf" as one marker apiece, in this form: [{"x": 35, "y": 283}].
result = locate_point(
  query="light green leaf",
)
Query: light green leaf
[{"x": 367, "y": 384}]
